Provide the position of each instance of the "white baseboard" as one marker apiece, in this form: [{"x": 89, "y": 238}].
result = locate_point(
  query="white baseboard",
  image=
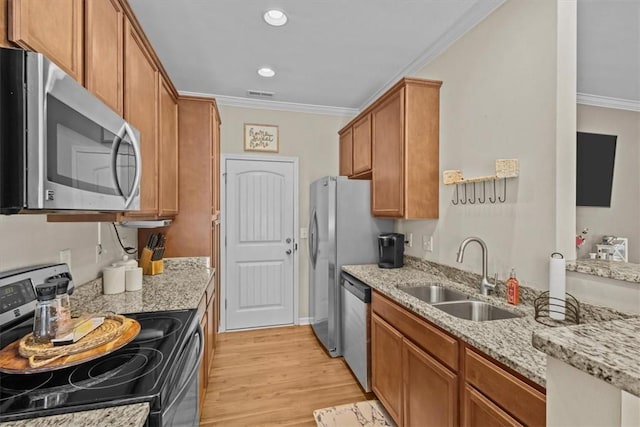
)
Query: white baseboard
[{"x": 304, "y": 321}]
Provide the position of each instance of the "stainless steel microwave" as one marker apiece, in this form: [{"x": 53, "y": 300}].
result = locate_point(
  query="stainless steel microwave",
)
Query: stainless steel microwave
[{"x": 61, "y": 148}]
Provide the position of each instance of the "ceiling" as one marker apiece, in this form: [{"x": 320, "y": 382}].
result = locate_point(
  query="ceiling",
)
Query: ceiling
[
  {"x": 337, "y": 56},
  {"x": 331, "y": 53},
  {"x": 609, "y": 49}
]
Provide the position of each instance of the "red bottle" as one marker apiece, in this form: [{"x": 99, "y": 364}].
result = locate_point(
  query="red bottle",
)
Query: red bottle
[{"x": 513, "y": 288}]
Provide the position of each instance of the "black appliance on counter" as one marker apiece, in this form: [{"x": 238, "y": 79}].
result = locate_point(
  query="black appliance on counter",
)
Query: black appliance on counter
[
  {"x": 391, "y": 250},
  {"x": 160, "y": 366}
]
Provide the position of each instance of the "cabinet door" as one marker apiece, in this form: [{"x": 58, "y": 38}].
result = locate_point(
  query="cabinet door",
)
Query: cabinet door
[
  {"x": 346, "y": 152},
  {"x": 480, "y": 411},
  {"x": 141, "y": 110},
  {"x": 104, "y": 51},
  {"x": 211, "y": 335},
  {"x": 51, "y": 27},
  {"x": 430, "y": 390},
  {"x": 362, "y": 145},
  {"x": 168, "y": 152},
  {"x": 386, "y": 373},
  {"x": 387, "y": 183}
]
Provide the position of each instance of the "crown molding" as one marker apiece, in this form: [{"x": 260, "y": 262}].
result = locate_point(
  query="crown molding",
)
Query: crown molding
[
  {"x": 607, "y": 102},
  {"x": 470, "y": 19},
  {"x": 235, "y": 101}
]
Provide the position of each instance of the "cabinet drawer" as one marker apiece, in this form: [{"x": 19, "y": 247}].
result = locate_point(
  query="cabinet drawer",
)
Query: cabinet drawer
[
  {"x": 521, "y": 400},
  {"x": 431, "y": 339}
]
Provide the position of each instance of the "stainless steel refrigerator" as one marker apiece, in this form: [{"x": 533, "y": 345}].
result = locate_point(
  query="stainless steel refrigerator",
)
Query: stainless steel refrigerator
[{"x": 341, "y": 232}]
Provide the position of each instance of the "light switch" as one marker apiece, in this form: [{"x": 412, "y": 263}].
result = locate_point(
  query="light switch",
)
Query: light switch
[{"x": 304, "y": 232}]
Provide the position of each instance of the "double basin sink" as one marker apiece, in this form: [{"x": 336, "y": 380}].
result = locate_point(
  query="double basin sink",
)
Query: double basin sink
[{"x": 457, "y": 303}]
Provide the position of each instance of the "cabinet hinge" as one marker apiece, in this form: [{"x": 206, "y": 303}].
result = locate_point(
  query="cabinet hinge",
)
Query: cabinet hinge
[{"x": 225, "y": 177}]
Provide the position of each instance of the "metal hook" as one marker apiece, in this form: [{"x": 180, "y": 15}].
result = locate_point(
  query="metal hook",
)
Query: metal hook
[
  {"x": 484, "y": 192},
  {"x": 493, "y": 199},
  {"x": 464, "y": 199},
  {"x": 504, "y": 191},
  {"x": 472, "y": 200},
  {"x": 456, "y": 199}
]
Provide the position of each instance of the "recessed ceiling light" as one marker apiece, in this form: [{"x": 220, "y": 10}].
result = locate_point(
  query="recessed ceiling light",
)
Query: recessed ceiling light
[
  {"x": 275, "y": 17},
  {"x": 266, "y": 72}
]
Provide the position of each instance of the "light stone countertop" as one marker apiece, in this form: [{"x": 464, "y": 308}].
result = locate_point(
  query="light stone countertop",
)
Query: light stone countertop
[
  {"x": 609, "y": 351},
  {"x": 180, "y": 286},
  {"x": 625, "y": 271},
  {"x": 121, "y": 416},
  {"x": 509, "y": 341}
]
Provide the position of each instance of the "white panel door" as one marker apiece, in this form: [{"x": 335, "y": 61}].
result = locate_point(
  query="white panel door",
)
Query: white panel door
[{"x": 260, "y": 232}]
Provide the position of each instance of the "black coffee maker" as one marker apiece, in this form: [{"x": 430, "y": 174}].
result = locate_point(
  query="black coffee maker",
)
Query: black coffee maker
[{"x": 390, "y": 250}]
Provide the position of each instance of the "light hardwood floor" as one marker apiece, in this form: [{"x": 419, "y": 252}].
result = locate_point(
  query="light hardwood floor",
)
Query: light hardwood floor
[{"x": 275, "y": 377}]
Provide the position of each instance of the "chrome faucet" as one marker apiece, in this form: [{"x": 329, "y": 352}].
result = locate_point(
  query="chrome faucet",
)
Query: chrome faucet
[{"x": 485, "y": 286}]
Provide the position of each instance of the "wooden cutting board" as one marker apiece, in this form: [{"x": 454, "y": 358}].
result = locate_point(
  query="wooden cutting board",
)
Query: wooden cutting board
[{"x": 11, "y": 362}]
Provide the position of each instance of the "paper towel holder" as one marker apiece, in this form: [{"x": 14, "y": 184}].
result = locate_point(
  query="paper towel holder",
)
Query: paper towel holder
[{"x": 544, "y": 304}]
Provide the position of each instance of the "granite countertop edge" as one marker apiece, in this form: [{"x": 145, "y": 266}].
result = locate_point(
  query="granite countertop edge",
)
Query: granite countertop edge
[
  {"x": 134, "y": 415},
  {"x": 616, "y": 270},
  {"x": 522, "y": 343}
]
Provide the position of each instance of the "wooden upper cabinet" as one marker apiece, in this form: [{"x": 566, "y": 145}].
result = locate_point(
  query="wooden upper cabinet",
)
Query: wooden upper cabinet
[
  {"x": 405, "y": 145},
  {"x": 346, "y": 152},
  {"x": 362, "y": 145},
  {"x": 168, "y": 152},
  {"x": 104, "y": 51},
  {"x": 387, "y": 185},
  {"x": 4, "y": 36},
  {"x": 141, "y": 110},
  {"x": 52, "y": 27}
]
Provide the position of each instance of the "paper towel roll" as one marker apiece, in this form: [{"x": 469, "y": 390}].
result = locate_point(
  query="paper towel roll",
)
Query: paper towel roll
[{"x": 557, "y": 286}]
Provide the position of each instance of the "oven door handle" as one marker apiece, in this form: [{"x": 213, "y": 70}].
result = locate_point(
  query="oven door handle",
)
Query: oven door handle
[
  {"x": 117, "y": 140},
  {"x": 192, "y": 373}
]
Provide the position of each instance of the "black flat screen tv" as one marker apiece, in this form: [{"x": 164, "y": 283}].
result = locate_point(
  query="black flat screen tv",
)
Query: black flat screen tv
[{"x": 594, "y": 177}]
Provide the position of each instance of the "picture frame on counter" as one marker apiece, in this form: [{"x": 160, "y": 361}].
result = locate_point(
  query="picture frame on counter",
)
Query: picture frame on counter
[{"x": 261, "y": 137}]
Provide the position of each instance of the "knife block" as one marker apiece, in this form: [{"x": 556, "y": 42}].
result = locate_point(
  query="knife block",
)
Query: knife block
[{"x": 150, "y": 268}]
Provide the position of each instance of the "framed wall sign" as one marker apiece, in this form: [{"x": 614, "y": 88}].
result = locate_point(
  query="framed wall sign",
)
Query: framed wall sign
[{"x": 260, "y": 137}]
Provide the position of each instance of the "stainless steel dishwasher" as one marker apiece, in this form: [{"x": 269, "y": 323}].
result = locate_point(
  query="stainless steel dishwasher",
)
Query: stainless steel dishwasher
[{"x": 356, "y": 314}]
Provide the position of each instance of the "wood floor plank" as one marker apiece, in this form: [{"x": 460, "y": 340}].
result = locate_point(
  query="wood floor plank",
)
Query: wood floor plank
[{"x": 275, "y": 377}]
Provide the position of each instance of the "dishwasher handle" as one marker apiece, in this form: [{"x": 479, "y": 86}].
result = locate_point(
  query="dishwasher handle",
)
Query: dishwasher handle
[{"x": 357, "y": 288}]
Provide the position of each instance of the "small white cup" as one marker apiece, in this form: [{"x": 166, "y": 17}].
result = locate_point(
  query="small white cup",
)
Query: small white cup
[
  {"x": 113, "y": 280},
  {"x": 133, "y": 279},
  {"x": 592, "y": 255}
]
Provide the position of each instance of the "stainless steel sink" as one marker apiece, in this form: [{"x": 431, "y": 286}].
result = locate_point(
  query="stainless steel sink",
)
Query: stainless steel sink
[
  {"x": 476, "y": 310},
  {"x": 433, "y": 294}
]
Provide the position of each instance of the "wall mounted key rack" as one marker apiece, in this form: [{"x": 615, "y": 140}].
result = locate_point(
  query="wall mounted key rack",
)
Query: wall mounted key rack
[{"x": 474, "y": 190}]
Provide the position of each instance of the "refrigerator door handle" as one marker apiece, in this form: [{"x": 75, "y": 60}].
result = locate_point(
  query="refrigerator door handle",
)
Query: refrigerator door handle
[
  {"x": 315, "y": 239},
  {"x": 311, "y": 236}
]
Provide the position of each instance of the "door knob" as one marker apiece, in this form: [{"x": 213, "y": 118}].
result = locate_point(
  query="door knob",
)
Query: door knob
[
  {"x": 288, "y": 240},
  {"x": 288, "y": 252}
]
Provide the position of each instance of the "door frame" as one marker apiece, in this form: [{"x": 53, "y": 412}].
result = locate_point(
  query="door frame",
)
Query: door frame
[{"x": 223, "y": 231}]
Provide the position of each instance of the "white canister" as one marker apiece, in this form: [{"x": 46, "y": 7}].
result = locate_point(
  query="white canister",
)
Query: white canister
[
  {"x": 113, "y": 280},
  {"x": 133, "y": 279}
]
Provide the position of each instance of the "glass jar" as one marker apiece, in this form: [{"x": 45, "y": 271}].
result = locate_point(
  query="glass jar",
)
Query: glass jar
[{"x": 45, "y": 322}]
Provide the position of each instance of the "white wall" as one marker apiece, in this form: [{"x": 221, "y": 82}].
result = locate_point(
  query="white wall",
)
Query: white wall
[
  {"x": 498, "y": 100},
  {"x": 30, "y": 239},
  {"x": 313, "y": 138},
  {"x": 621, "y": 219}
]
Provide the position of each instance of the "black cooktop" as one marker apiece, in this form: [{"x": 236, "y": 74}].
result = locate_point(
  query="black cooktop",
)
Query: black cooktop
[{"x": 133, "y": 374}]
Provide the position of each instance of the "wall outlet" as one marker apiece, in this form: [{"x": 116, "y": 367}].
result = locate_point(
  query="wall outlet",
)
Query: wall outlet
[
  {"x": 409, "y": 240},
  {"x": 99, "y": 252},
  {"x": 427, "y": 243},
  {"x": 65, "y": 257}
]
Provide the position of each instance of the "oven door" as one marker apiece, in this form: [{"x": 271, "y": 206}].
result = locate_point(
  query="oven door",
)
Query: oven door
[
  {"x": 183, "y": 408},
  {"x": 81, "y": 155}
]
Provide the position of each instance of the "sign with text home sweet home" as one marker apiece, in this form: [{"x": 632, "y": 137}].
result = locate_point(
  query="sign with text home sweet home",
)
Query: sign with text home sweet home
[{"x": 259, "y": 137}]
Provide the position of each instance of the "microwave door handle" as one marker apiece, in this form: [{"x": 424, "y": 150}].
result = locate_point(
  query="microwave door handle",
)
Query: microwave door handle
[
  {"x": 136, "y": 152},
  {"x": 117, "y": 140}
]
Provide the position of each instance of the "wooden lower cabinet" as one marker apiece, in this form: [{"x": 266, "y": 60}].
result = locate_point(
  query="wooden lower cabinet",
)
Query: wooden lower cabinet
[
  {"x": 430, "y": 389},
  {"x": 204, "y": 365},
  {"x": 480, "y": 411},
  {"x": 425, "y": 377},
  {"x": 386, "y": 373}
]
